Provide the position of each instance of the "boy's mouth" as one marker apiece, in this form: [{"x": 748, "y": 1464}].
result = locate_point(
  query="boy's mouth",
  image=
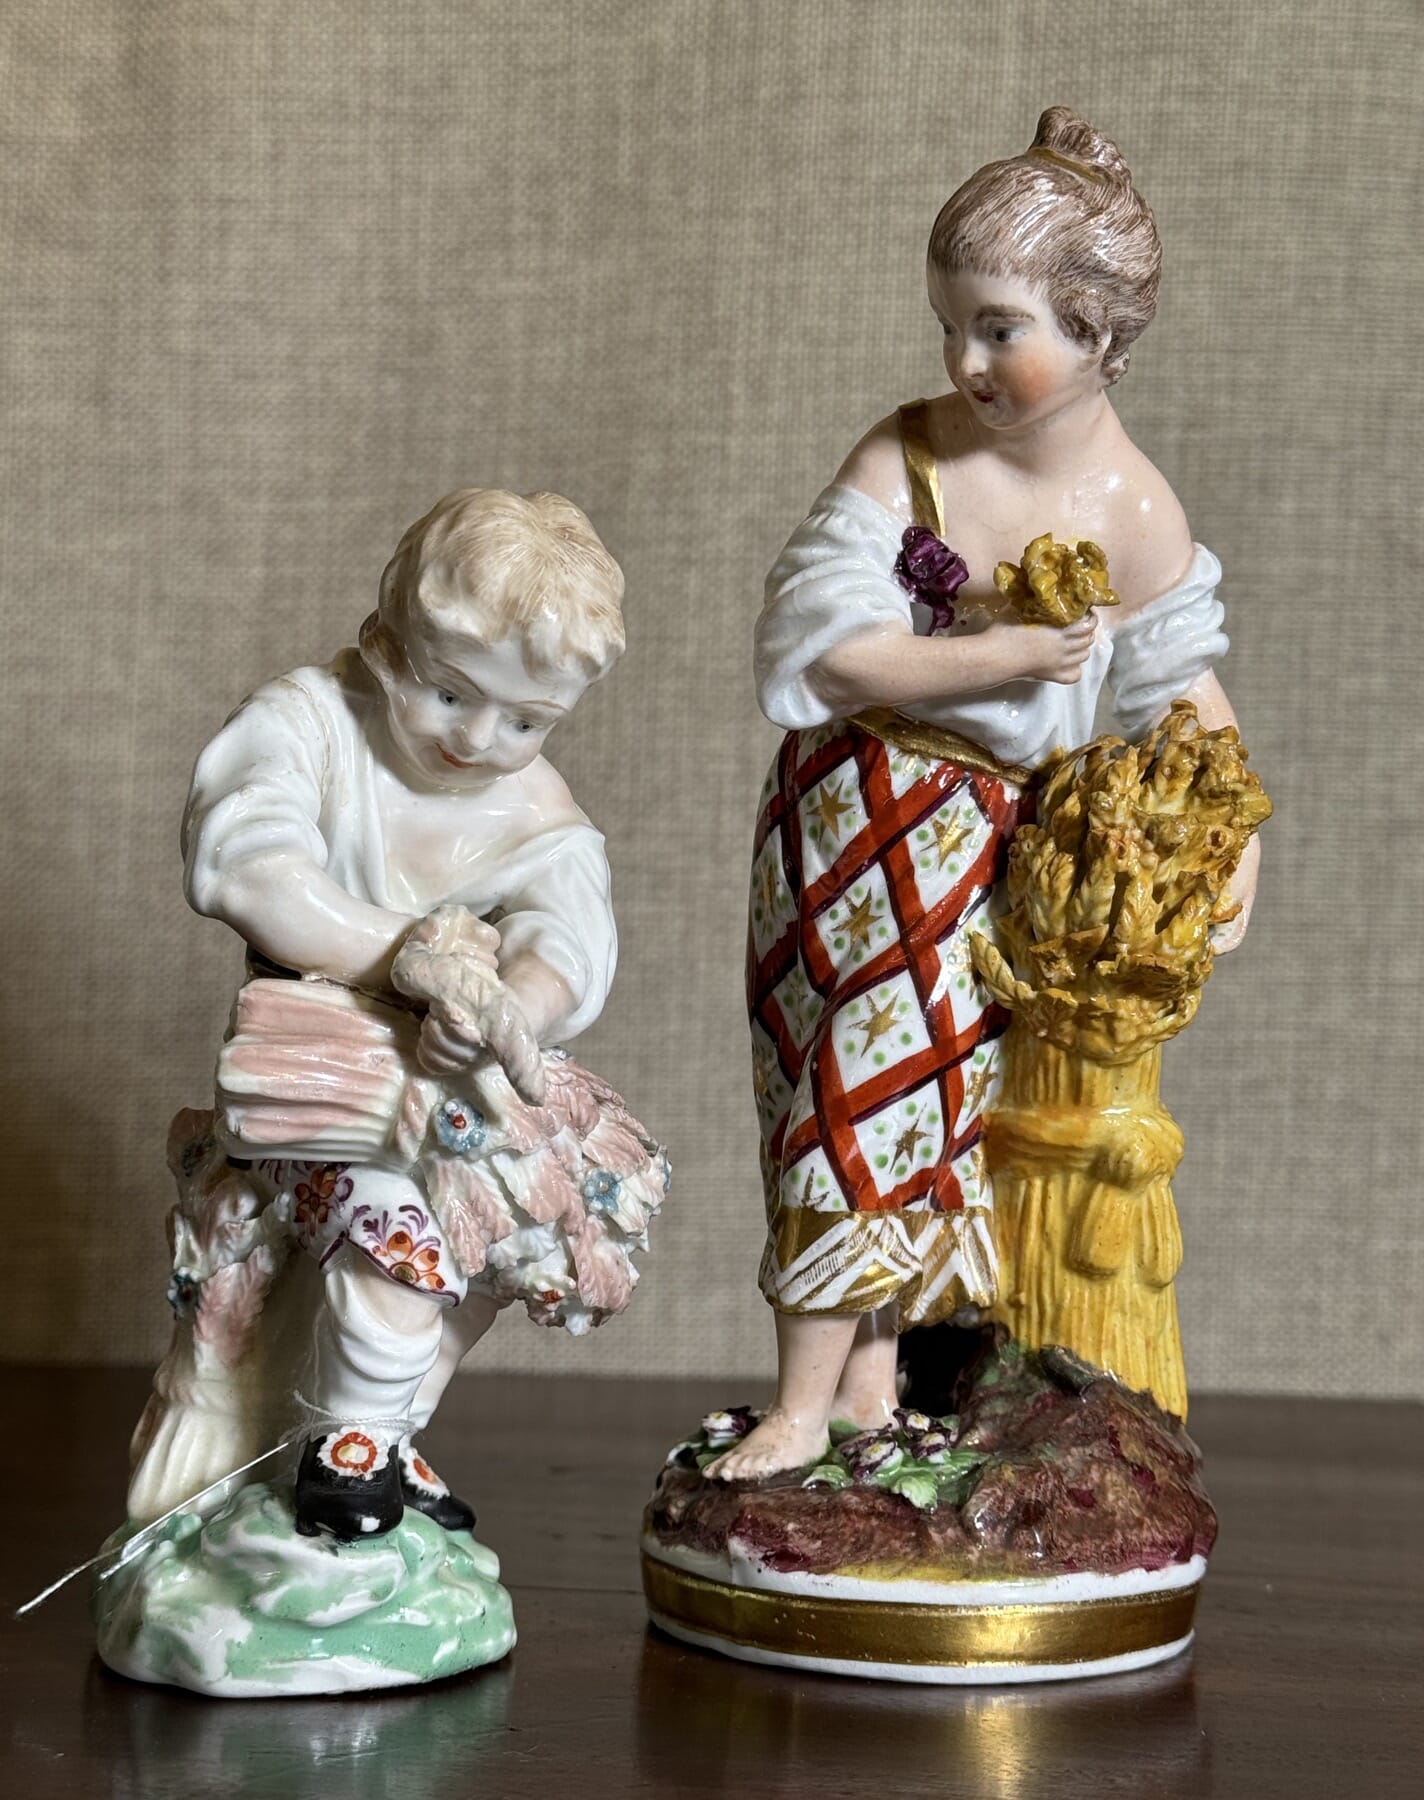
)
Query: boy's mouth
[{"x": 454, "y": 761}]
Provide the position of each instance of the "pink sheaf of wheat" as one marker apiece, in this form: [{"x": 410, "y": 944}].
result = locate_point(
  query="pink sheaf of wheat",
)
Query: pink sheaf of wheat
[
  {"x": 472, "y": 1209},
  {"x": 570, "y": 1095},
  {"x": 601, "y": 1269},
  {"x": 231, "y": 1305},
  {"x": 542, "y": 1187},
  {"x": 611, "y": 1145}
]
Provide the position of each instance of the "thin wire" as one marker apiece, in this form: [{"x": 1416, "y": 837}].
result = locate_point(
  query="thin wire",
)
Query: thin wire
[
  {"x": 130, "y": 1548},
  {"x": 125, "y": 1552}
]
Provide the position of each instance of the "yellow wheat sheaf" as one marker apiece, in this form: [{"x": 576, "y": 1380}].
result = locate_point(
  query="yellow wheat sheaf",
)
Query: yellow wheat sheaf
[{"x": 1115, "y": 889}]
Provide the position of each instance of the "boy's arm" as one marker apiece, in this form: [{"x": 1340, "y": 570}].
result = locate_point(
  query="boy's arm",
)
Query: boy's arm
[
  {"x": 558, "y": 942},
  {"x": 254, "y": 852},
  {"x": 287, "y": 906}
]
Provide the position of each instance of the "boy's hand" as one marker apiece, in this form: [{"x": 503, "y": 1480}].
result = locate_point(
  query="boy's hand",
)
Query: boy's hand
[{"x": 450, "y": 961}]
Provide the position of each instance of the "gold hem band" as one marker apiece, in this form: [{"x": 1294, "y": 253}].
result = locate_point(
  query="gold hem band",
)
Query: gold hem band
[{"x": 917, "y": 1635}]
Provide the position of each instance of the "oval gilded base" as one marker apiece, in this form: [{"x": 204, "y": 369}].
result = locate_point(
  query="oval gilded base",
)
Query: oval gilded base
[{"x": 947, "y": 1643}]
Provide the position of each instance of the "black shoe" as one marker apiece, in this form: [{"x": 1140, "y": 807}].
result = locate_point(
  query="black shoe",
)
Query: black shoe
[
  {"x": 347, "y": 1485},
  {"x": 423, "y": 1489}
]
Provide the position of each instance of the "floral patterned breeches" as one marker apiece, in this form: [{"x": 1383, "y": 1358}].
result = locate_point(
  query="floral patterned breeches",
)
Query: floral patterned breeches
[{"x": 382, "y": 1214}]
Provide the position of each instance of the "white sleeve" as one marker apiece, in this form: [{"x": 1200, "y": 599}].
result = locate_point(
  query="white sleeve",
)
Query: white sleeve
[
  {"x": 1160, "y": 650},
  {"x": 258, "y": 786},
  {"x": 833, "y": 579},
  {"x": 555, "y": 904}
]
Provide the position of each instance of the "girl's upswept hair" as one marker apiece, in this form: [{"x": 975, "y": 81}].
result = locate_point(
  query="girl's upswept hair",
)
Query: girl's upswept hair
[
  {"x": 1065, "y": 218},
  {"x": 487, "y": 565}
]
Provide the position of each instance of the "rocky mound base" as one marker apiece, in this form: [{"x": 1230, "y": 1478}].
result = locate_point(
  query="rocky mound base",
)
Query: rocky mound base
[{"x": 1048, "y": 1466}]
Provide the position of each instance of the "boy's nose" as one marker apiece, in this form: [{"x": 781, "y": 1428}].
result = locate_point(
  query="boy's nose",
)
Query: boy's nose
[{"x": 476, "y": 731}]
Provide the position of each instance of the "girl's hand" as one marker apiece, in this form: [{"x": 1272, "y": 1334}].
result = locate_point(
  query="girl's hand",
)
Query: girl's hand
[
  {"x": 1051, "y": 653},
  {"x": 1242, "y": 889}
]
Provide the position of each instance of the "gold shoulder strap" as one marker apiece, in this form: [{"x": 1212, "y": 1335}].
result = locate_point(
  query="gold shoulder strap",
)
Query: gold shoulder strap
[{"x": 921, "y": 467}]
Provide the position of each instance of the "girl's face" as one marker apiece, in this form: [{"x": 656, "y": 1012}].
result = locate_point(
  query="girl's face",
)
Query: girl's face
[
  {"x": 460, "y": 715},
  {"x": 1006, "y": 353}
]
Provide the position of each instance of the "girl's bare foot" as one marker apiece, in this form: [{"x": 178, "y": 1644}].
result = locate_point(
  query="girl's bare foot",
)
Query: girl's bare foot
[
  {"x": 780, "y": 1442},
  {"x": 867, "y": 1410}
]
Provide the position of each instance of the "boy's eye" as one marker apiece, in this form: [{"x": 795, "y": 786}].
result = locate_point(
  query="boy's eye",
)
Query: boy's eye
[
  {"x": 525, "y": 725},
  {"x": 1004, "y": 335},
  {"x": 448, "y": 699}
]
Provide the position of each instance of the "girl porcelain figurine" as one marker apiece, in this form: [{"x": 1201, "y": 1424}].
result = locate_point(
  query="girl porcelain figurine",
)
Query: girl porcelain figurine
[
  {"x": 921, "y": 710},
  {"x": 427, "y": 918}
]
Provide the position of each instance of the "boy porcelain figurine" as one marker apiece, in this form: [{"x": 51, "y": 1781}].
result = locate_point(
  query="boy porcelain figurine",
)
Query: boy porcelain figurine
[{"x": 427, "y": 917}]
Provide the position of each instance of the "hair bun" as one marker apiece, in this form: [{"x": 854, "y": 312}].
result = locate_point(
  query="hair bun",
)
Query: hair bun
[{"x": 1063, "y": 132}]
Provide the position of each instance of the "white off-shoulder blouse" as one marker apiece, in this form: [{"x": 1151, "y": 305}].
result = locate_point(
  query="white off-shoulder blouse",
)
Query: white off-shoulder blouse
[{"x": 835, "y": 578}]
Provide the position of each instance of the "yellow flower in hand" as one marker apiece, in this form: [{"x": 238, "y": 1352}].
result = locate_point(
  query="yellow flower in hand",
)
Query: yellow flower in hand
[{"x": 1056, "y": 583}]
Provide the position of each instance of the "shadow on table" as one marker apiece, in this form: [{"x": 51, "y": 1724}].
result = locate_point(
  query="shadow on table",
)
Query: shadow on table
[{"x": 774, "y": 1731}]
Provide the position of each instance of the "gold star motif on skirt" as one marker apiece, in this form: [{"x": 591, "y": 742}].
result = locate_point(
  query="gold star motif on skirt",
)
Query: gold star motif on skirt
[
  {"x": 881, "y": 1020},
  {"x": 977, "y": 1087},
  {"x": 859, "y": 920},
  {"x": 908, "y": 1142},
  {"x": 768, "y": 884},
  {"x": 830, "y": 809},
  {"x": 950, "y": 834}
]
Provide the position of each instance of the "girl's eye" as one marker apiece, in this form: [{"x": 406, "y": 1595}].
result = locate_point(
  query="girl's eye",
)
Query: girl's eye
[
  {"x": 447, "y": 699},
  {"x": 525, "y": 725}
]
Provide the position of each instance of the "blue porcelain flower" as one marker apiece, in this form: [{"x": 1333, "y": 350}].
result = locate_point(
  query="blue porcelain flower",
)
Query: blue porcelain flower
[
  {"x": 183, "y": 1293},
  {"x": 460, "y": 1127},
  {"x": 600, "y": 1190}
]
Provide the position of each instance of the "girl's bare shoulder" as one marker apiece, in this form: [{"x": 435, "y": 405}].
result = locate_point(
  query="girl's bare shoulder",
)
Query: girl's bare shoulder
[
  {"x": 1149, "y": 543},
  {"x": 876, "y": 466}
]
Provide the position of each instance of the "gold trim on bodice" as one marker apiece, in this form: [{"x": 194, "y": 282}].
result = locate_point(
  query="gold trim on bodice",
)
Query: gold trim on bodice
[
  {"x": 937, "y": 744},
  {"x": 934, "y": 742},
  {"x": 922, "y": 466}
]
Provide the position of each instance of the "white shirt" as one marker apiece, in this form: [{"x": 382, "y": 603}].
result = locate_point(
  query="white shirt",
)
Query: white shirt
[
  {"x": 835, "y": 578},
  {"x": 293, "y": 769}
]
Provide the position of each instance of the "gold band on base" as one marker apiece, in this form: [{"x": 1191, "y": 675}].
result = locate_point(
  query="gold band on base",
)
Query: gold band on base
[{"x": 918, "y": 1636}]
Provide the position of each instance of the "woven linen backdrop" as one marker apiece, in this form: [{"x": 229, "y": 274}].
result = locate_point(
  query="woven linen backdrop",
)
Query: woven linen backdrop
[{"x": 278, "y": 275}]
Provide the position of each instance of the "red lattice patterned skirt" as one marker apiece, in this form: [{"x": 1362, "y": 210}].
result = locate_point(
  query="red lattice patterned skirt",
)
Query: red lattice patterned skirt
[{"x": 874, "y": 1045}]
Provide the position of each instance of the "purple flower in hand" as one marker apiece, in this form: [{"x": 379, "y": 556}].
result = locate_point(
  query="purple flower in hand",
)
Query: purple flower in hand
[{"x": 927, "y": 568}]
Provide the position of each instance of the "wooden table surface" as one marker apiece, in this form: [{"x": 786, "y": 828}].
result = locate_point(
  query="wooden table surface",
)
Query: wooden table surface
[{"x": 1306, "y": 1678}]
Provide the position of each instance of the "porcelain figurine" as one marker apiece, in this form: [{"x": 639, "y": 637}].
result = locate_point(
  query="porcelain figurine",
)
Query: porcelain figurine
[
  {"x": 400, "y": 1146},
  {"x": 985, "y": 568}
]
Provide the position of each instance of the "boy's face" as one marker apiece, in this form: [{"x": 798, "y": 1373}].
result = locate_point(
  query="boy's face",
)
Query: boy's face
[{"x": 461, "y": 715}]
